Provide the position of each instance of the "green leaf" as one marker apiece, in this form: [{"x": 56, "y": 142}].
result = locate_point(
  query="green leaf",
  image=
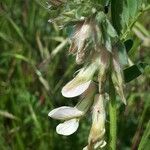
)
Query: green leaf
[
  {"x": 101, "y": 20},
  {"x": 134, "y": 50},
  {"x": 17, "y": 29},
  {"x": 122, "y": 53},
  {"x": 145, "y": 138},
  {"x": 119, "y": 13},
  {"x": 132, "y": 7},
  {"x": 123, "y": 12},
  {"x": 134, "y": 71},
  {"x": 109, "y": 33},
  {"x": 125, "y": 16},
  {"x": 6, "y": 37},
  {"x": 128, "y": 44}
]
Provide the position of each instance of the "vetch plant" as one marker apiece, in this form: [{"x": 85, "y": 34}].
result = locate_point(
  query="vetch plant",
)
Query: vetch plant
[{"x": 98, "y": 45}]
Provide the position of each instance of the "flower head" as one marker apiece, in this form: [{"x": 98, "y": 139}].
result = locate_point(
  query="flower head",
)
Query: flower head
[{"x": 92, "y": 45}]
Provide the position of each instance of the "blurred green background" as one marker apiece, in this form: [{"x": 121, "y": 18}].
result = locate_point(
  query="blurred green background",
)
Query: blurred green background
[{"x": 34, "y": 65}]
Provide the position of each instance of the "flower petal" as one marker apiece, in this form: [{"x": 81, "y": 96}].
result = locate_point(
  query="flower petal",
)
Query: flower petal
[
  {"x": 81, "y": 81},
  {"x": 65, "y": 113},
  {"x": 98, "y": 120},
  {"x": 68, "y": 127},
  {"x": 87, "y": 98},
  {"x": 69, "y": 91}
]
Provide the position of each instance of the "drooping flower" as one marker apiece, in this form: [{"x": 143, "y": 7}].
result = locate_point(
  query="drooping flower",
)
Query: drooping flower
[
  {"x": 96, "y": 136},
  {"x": 99, "y": 61},
  {"x": 72, "y": 115},
  {"x": 81, "y": 81}
]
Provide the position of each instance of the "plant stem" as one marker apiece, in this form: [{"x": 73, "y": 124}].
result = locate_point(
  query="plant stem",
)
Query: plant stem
[{"x": 112, "y": 115}]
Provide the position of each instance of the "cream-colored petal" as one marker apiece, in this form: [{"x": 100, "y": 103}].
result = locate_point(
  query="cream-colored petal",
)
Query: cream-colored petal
[
  {"x": 98, "y": 121},
  {"x": 71, "y": 90},
  {"x": 68, "y": 127},
  {"x": 87, "y": 98},
  {"x": 81, "y": 81},
  {"x": 65, "y": 113}
]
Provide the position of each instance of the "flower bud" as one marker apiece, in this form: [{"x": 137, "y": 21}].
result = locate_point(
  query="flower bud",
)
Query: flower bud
[
  {"x": 82, "y": 32},
  {"x": 86, "y": 32},
  {"x": 98, "y": 123}
]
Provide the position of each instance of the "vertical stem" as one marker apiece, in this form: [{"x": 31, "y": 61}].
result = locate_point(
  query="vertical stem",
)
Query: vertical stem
[
  {"x": 115, "y": 12},
  {"x": 112, "y": 115}
]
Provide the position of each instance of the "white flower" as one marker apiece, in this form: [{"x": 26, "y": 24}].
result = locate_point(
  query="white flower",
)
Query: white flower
[
  {"x": 97, "y": 131},
  {"x": 65, "y": 113},
  {"x": 81, "y": 81},
  {"x": 68, "y": 127},
  {"x": 72, "y": 115}
]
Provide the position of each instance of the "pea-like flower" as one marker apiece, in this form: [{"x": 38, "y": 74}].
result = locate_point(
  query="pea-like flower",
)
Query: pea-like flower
[
  {"x": 96, "y": 136},
  {"x": 72, "y": 115},
  {"x": 81, "y": 81}
]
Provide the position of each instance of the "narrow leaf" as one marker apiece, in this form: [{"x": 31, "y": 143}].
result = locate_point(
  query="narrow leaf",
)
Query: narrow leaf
[
  {"x": 128, "y": 44},
  {"x": 133, "y": 72},
  {"x": 145, "y": 138}
]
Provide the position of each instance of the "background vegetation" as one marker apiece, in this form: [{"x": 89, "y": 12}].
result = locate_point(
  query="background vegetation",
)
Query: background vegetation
[{"x": 34, "y": 65}]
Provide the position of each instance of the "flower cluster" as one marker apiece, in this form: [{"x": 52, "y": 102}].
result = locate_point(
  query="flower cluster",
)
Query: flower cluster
[{"x": 93, "y": 46}]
